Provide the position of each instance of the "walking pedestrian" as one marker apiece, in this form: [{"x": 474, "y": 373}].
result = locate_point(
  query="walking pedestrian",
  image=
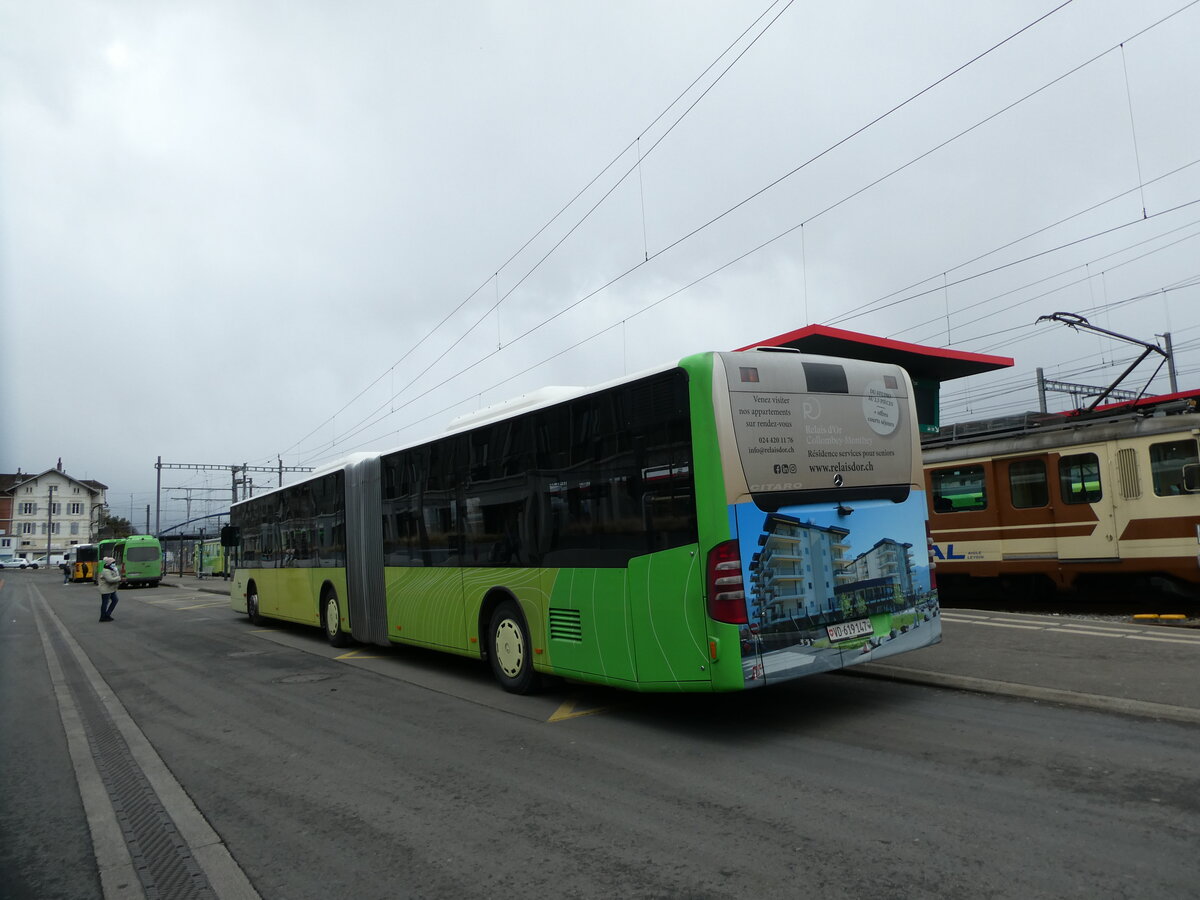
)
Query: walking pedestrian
[
  {"x": 107, "y": 580},
  {"x": 66, "y": 570}
]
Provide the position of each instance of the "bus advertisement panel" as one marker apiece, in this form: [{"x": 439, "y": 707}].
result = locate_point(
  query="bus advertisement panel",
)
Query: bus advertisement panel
[
  {"x": 832, "y": 539},
  {"x": 660, "y": 532}
]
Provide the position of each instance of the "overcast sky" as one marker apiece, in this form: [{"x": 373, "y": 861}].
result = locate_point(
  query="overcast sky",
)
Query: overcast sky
[{"x": 239, "y": 232}]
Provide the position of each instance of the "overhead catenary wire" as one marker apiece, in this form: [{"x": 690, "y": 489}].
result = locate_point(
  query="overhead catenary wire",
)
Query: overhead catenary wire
[
  {"x": 775, "y": 183},
  {"x": 1164, "y": 290},
  {"x": 635, "y": 143},
  {"x": 991, "y": 300},
  {"x": 368, "y": 421}
]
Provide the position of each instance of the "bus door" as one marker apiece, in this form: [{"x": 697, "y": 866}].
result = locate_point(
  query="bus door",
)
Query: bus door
[{"x": 1086, "y": 524}]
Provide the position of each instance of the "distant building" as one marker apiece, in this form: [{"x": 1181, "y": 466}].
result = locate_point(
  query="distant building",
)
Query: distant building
[
  {"x": 887, "y": 559},
  {"x": 51, "y": 510},
  {"x": 879, "y": 579}
]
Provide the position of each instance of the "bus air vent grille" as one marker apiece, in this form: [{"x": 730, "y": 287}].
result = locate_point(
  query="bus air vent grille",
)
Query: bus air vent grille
[{"x": 565, "y": 625}]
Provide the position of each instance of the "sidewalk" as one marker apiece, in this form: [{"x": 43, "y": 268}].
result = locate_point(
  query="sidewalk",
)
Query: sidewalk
[
  {"x": 191, "y": 583},
  {"x": 1139, "y": 669}
]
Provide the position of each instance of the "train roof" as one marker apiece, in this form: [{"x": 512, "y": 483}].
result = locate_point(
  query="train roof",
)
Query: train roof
[{"x": 1148, "y": 415}]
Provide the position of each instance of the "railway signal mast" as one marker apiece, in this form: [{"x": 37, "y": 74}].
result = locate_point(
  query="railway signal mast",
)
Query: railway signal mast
[{"x": 237, "y": 476}]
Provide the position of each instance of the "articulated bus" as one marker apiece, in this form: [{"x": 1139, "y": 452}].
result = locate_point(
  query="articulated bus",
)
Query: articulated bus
[
  {"x": 732, "y": 520},
  {"x": 87, "y": 558}
]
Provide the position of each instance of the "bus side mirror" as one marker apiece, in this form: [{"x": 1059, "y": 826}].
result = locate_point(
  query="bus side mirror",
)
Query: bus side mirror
[{"x": 230, "y": 536}]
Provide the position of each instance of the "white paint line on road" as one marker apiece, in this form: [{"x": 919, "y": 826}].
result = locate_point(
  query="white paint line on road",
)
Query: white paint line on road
[
  {"x": 118, "y": 877},
  {"x": 225, "y": 876}
]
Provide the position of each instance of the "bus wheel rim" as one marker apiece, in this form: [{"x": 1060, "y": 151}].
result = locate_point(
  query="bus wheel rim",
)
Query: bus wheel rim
[
  {"x": 331, "y": 616},
  {"x": 510, "y": 648}
]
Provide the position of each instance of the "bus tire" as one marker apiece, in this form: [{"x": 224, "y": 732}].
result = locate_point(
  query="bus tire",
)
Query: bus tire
[
  {"x": 331, "y": 620},
  {"x": 510, "y": 650},
  {"x": 252, "y": 605}
]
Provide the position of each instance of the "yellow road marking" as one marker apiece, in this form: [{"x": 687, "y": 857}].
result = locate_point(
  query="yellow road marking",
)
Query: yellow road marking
[
  {"x": 354, "y": 654},
  {"x": 568, "y": 711},
  {"x": 204, "y": 606}
]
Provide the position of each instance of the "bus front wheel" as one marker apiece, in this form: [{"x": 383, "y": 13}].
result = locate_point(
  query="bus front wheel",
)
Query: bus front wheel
[
  {"x": 332, "y": 621},
  {"x": 510, "y": 651}
]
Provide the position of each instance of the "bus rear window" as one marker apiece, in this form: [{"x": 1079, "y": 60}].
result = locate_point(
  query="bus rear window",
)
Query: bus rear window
[{"x": 958, "y": 490}]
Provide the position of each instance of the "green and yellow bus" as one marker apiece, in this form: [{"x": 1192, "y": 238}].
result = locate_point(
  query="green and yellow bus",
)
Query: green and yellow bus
[
  {"x": 731, "y": 520},
  {"x": 208, "y": 558},
  {"x": 113, "y": 547}
]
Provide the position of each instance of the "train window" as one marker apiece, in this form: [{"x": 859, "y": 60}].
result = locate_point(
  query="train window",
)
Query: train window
[
  {"x": 958, "y": 490},
  {"x": 1079, "y": 478},
  {"x": 1167, "y": 462},
  {"x": 1027, "y": 483}
]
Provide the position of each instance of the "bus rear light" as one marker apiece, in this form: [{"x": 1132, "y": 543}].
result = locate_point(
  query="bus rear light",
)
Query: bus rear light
[{"x": 726, "y": 590}]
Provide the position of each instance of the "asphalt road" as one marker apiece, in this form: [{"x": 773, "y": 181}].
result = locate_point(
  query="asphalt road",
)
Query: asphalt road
[{"x": 371, "y": 772}]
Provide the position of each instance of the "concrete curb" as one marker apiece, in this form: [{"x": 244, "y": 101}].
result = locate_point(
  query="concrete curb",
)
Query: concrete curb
[{"x": 1140, "y": 708}]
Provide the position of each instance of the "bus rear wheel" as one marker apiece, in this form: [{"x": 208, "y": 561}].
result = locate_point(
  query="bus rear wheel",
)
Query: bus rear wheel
[
  {"x": 510, "y": 650},
  {"x": 331, "y": 620},
  {"x": 252, "y": 606}
]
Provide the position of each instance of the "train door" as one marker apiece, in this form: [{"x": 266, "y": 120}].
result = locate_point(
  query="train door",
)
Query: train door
[{"x": 1087, "y": 490}]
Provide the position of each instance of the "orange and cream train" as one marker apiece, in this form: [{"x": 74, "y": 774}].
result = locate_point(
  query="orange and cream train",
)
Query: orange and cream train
[{"x": 1041, "y": 501}]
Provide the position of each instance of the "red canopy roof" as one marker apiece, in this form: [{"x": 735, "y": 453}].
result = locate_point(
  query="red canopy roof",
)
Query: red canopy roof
[{"x": 931, "y": 363}]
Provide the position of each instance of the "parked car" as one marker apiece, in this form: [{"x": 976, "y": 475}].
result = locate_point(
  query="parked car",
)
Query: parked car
[{"x": 16, "y": 563}]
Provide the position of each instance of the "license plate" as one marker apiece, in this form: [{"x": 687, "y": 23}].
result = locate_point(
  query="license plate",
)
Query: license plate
[{"x": 844, "y": 631}]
